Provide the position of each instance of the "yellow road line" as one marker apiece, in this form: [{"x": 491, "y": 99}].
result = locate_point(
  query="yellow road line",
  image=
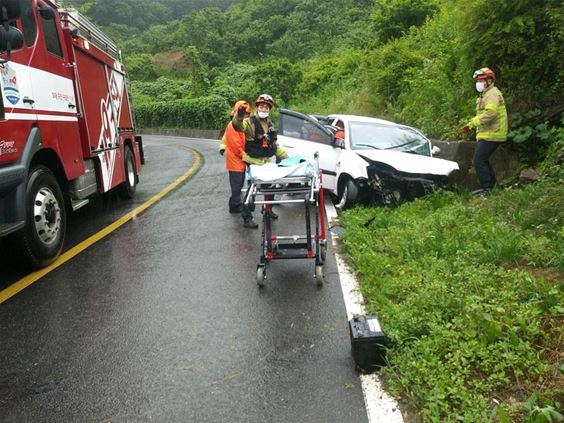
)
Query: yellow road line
[{"x": 67, "y": 255}]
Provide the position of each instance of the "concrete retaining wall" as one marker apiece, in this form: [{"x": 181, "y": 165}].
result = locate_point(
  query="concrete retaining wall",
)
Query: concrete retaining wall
[
  {"x": 212, "y": 134},
  {"x": 505, "y": 161}
]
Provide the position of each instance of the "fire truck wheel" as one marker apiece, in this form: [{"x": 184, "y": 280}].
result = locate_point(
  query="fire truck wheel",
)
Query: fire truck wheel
[
  {"x": 40, "y": 242},
  {"x": 127, "y": 188}
]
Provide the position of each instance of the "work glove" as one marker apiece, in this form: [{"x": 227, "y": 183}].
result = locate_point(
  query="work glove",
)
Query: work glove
[
  {"x": 241, "y": 112},
  {"x": 221, "y": 151},
  {"x": 465, "y": 129}
]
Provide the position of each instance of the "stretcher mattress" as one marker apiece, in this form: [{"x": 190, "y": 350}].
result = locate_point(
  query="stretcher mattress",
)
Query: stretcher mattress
[{"x": 272, "y": 171}]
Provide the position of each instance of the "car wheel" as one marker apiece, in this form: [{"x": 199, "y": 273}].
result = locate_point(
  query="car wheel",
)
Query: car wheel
[
  {"x": 348, "y": 195},
  {"x": 128, "y": 187},
  {"x": 41, "y": 240}
]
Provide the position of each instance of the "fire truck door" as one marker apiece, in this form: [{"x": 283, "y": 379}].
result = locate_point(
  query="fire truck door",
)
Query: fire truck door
[{"x": 53, "y": 93}]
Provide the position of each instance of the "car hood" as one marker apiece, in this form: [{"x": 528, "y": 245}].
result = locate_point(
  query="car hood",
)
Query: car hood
[{"x": 410, "y": 163}]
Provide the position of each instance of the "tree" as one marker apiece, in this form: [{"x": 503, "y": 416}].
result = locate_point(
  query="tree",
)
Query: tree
[{"x": 393, "y": 18}]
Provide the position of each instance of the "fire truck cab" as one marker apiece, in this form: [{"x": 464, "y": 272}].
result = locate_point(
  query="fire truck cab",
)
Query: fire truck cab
[{"x": 66, "y": 125}]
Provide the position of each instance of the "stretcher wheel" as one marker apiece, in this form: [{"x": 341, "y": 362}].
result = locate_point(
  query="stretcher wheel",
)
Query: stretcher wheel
[
  {"x": 323, "y": 249},
  {"x": 319, "y": 275},
  {"x": 261, "y": 276}
]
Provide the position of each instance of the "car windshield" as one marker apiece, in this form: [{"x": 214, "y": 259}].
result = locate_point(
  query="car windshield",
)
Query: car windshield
[{"x": 387, "y": 137}]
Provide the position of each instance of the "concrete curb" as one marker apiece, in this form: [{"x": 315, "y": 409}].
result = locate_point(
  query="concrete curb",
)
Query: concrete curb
[{"x": 381, "y": 407}]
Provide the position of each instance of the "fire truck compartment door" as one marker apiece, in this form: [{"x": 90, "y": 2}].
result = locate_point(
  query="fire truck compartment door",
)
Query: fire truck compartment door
[{"x": 102, "y": 89}]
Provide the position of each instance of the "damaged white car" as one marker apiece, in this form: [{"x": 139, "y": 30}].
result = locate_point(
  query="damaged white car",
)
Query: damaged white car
[{"x": 364, "y": 159}]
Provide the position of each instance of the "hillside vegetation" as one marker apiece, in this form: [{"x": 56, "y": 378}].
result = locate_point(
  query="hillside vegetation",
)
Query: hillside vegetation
[{"x": 407, "y": 60}]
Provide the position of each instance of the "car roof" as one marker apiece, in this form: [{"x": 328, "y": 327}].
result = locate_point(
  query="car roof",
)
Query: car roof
[{"x": 354, "y": 118}]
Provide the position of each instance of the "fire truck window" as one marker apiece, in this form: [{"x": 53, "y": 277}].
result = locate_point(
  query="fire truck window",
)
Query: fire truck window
[
  {"x": 28, "y": 22},
  {"x": 48, "y": 24}
]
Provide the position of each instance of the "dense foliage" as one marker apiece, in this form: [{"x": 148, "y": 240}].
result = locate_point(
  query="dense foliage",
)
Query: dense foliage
[
  {"x": 140, "y": 13},
  {"x": 408, "y": 60}
]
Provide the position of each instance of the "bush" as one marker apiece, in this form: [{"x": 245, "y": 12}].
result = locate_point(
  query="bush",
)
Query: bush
[
  {"x": 201, "y": 113},
  {"x": 530, "y": 134},
  {"x": 393, "y": 19},
  {"x": 553, "y": 165}
]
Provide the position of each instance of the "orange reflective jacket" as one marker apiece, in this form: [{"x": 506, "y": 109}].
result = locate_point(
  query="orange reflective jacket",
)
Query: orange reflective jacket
[{"x": 233, "y": 142}]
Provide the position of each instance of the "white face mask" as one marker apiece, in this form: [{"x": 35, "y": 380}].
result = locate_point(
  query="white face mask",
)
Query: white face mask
[
  {"x": 480, "y": 86},
  {"x": 262, "y": 115}
]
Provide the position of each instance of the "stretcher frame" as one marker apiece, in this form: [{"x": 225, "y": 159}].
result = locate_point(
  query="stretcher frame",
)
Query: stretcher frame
[{"x": 312, "y": 245}]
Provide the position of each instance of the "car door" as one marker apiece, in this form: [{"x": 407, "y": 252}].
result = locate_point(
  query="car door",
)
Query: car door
[{"x": 304, "y": 135}]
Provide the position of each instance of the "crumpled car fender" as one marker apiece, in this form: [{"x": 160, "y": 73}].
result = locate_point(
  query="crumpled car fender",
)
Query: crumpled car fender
[{"x": 353, "y": 165}]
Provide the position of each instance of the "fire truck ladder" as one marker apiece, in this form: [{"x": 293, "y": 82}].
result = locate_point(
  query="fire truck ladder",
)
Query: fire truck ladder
[{"x": 73, "y": 20}]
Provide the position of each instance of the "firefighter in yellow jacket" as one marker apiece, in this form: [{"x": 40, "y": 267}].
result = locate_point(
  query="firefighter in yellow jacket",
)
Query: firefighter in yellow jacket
[
  {"x": 490, "y": 123},
  {"x": 260, "y": 143}
]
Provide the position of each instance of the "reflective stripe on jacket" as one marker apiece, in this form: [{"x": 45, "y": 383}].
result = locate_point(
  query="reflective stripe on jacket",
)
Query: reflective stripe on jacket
[
  {"x": 233, "y": 142},
  {"x": 491, "y": 116}
]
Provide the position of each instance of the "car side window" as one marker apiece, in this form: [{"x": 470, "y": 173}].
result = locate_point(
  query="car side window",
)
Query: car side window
[
  {"x": 294, "y": 126},
  {"x": 290, "y": 126},
  {"x": 340, "y": 129},
  {"x": 315, "y": 134}
]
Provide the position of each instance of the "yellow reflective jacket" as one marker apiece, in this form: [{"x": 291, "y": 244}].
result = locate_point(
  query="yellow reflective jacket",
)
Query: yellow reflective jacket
[
  {"x": 245, "y": 125},
  {"x": 491, "y": 116}
]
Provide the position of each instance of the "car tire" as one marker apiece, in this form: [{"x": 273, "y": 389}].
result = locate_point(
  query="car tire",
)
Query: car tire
[
  {"x": 128, "y": 187},
  {"x": 41, "y": 240},
  {"x": 348, "y": 195}
]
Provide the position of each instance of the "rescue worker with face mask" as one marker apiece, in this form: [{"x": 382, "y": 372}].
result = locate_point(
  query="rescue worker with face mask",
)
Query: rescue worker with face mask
[
  {"x": 490, "y": 123},
  {"x": 233, "y": 145},
  {"x": 260, "y": 142}
]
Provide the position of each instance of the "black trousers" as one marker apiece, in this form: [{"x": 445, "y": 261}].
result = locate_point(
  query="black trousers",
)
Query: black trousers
[
  {"x": 484, "y": 169},
  {"x": 236, "y": 181}
]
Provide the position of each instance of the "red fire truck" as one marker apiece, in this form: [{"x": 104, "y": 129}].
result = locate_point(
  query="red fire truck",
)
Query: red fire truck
[{"x": 66, "y": 125}]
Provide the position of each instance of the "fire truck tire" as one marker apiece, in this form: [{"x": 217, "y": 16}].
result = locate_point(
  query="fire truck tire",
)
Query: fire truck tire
[
  {"x": 40, "y": 242},
  {"x": 128, "y": 187}
]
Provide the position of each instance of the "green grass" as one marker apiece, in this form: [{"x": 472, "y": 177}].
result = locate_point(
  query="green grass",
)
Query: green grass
[{"x": 469, "y": 290}]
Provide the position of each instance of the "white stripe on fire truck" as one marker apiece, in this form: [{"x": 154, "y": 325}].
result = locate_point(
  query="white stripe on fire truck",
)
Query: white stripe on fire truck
[
  {"x": 111, "y": 111},
  {"x": 54, "y": 118}
]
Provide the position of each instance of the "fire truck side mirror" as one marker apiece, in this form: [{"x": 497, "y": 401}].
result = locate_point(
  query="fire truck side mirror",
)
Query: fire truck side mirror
[
  {"x": 10, "y": 10},
  {"x": 10, "y": 39}
]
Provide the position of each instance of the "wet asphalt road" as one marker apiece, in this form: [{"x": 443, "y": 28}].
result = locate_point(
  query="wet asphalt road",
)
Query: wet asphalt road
[{"x": 162, "y": 320}]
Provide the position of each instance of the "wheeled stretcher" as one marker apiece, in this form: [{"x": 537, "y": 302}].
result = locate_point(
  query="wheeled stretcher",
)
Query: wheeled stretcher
[{"x": 300, "y": 183}]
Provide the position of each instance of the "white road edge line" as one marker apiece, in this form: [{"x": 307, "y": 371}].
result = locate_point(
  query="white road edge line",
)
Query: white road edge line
[{"x": 381, "y": 407}]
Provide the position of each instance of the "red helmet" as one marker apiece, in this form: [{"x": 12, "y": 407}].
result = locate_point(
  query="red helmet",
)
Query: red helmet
[
  {"x": 265, "y": 98},
  {"x": 238, "y": 106},
  {"x": 484, "y": 73}
]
